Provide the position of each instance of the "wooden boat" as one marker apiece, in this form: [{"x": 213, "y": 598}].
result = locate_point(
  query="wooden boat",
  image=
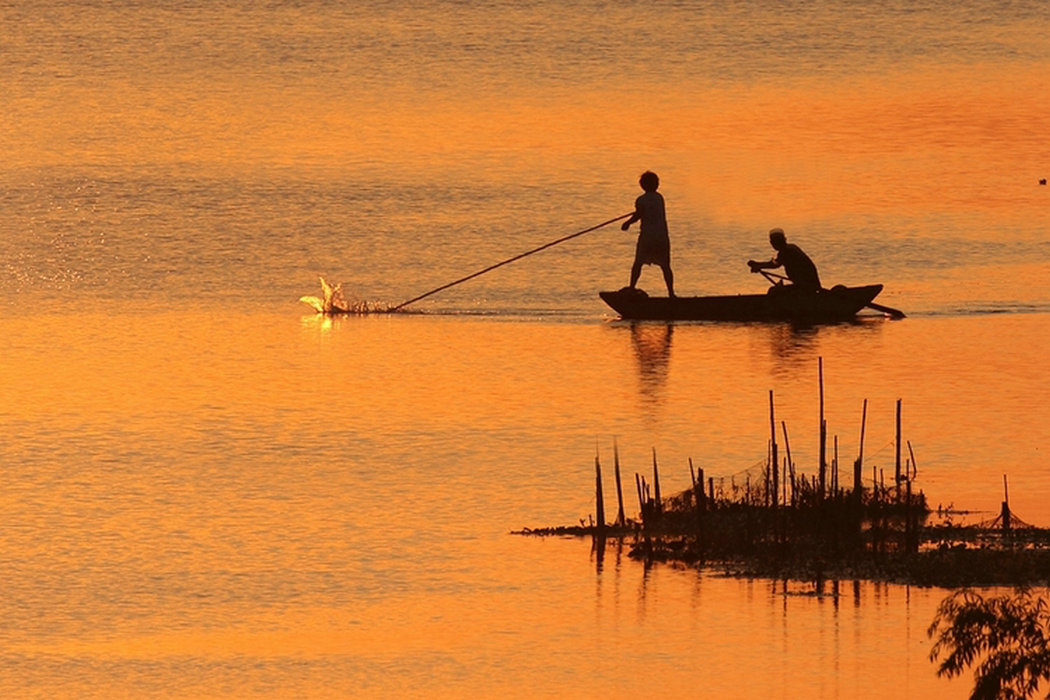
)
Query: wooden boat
[{"x": 780, "y": 303}]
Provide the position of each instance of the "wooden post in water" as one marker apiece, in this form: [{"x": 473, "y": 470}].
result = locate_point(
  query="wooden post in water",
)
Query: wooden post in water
[
  {"x": 641, "y": 498},
  {"x": 1005, "y": 516},
  {"x": 909, "y": 532},
  {"x": 823, "y": 431},
  {"x": 879, "y": 514},
  {"x": 789, "y": 466},
  {"x": 701, "y": 499},
  {"x": 897, "y": 479},
  {"x": 639, "y": 481},
  {"x": 698, "y": 495},
  {"x": 858, "y": 487},
  {"x": 599, "y": 496},
  {"x": 766, "y": 474},
  {"x": 835, "y": 468},
  {"x": 657, "y": 505},
  {"x": 775, "y": 460},
  {"x": 621, "y": 518}
]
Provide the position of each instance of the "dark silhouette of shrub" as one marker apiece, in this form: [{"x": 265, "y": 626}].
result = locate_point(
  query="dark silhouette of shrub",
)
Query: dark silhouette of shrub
[{"x": 1006, "y": 638}]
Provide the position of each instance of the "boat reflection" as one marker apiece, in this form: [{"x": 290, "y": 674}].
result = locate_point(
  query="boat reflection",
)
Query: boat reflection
[
  {"x": 793, "y": 346},
  {"x": 652, "y": 349}
]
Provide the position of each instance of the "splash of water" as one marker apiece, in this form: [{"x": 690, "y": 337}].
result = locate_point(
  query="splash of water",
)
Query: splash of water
[{"x": 332, "y": 301}]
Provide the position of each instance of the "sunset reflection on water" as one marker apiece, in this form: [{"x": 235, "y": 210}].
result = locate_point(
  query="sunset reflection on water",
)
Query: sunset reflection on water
[{"x": 208, "y": 491}]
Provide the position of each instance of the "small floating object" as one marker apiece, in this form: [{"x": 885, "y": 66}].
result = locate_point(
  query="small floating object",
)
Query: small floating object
[{"x": 1043, "y": 181}]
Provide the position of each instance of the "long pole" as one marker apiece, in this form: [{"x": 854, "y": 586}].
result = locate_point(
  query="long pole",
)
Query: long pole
[{"x": 490, "y": 268}]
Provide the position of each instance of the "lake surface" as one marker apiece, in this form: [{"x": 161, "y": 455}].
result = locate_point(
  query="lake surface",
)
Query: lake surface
[{"x": 209, "y": 491}]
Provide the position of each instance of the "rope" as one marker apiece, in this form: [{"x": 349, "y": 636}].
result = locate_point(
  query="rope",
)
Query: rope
[{"x": 508, "y": 260}]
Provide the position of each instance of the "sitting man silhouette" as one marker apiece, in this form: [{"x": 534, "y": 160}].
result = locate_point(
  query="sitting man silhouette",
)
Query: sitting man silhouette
[{"x": 797, "y": 265}]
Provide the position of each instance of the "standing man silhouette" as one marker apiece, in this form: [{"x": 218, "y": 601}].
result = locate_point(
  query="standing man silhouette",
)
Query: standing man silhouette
[{"x": 654, "y": 243}]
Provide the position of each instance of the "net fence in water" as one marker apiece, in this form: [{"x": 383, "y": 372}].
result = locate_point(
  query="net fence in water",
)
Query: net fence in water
[{"x": 1006, "y": 520}]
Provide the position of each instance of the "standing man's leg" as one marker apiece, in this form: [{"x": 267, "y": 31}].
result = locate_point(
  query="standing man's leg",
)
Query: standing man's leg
[
  {"x": 668, "y": 279},
  {"x": 636, "y": 271}
]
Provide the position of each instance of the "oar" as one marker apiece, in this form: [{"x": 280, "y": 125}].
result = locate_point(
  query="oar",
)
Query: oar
[
  {"x": 888, "y": 310},
  {"x": 891, "y": 312},
  {"x": 509, "y": 260}
]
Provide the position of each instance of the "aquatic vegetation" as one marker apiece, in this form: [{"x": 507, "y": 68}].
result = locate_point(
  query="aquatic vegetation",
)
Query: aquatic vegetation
[{"x": 772, "y": 520}]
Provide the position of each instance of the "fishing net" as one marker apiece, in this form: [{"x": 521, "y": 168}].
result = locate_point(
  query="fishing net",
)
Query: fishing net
[{"x": 1012, "y": 522}]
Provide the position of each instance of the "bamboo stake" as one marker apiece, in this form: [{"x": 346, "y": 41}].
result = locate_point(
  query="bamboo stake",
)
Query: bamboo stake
[
  {"x": 700, "y": 489},
  {"x": 621, "y": 519},
  {"x": 767, "y": 472},
  {"x": 1006, "y": 507},
  {"x": 698, "y": 495},
  {"x": 658, "y": 506},
  {"x": 907, "y": 517},
  {"x": 790, "y": 463},
  {"x": 775, "y": 461},
  {"x": 599, "y": 496},
  {"x": 835, "y": 468},
  {"x": 897, "y": 477},
  {"x": 641, "y": 499},
  {"x": 858, "y": 487},
  {"x": 823, "y": 429}
]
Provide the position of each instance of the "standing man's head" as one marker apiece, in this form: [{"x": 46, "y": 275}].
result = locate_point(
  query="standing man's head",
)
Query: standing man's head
[
  {"x": 649, "y": 181},
  {"x": 777, "y": 239}
]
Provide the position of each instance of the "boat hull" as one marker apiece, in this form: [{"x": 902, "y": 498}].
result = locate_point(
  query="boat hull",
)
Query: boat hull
[{"x": 779, "y": 304}]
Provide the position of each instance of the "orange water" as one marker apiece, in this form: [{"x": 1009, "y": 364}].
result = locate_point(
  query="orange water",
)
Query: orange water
[{"x": 210, "y": 492}]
